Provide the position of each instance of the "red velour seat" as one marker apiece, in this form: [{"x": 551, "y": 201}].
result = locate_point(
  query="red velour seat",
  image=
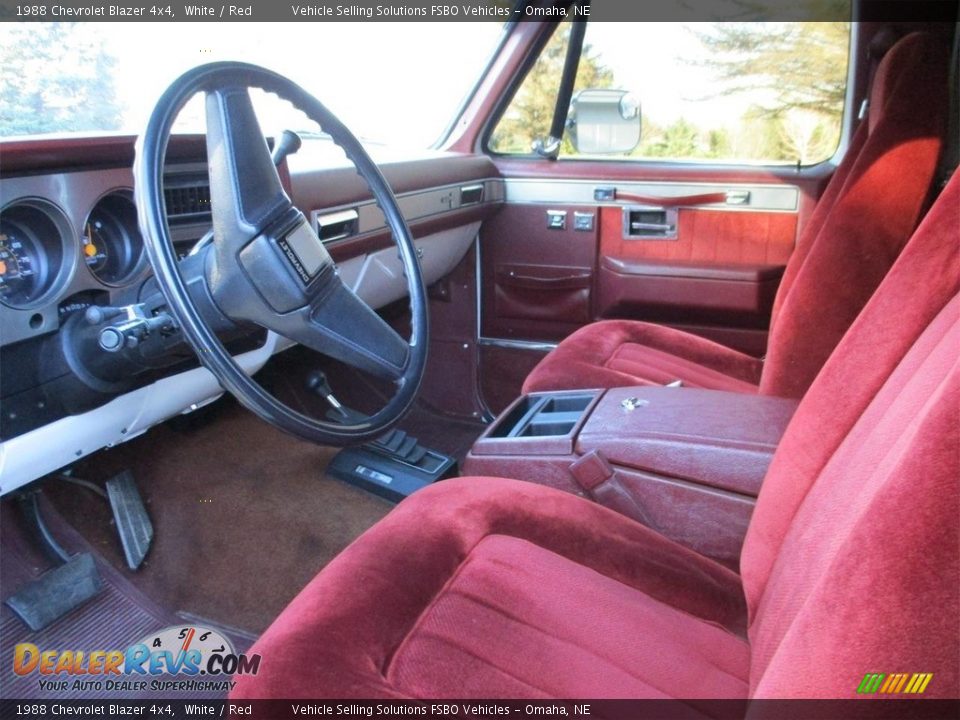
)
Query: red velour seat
[
  {"x": 867, "y": 213},
  {"x": 483, "y": 587}
]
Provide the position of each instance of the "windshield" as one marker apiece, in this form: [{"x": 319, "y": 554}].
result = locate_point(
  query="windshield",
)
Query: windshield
[{"x": 389, "y": 83}]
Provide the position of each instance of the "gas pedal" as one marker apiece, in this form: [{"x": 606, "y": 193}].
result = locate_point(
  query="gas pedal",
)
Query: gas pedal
[{"x": 130, "y": 515}]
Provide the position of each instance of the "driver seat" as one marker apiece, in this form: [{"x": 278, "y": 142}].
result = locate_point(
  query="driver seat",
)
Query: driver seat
[{"x": 484, "y": 587}]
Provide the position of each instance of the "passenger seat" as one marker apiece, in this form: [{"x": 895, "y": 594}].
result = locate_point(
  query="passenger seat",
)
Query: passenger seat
[{"x": 871, "y": 206}]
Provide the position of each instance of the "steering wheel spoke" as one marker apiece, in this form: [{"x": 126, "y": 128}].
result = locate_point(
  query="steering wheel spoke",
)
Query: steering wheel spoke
[
  {"x": 246, "y": 193},
  {"x": 343, "y": 326}
]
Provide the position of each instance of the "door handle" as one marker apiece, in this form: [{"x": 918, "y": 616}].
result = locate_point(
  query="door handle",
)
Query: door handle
[
  {"x": 730, "y": 197},
  {"x": 659, "y": 227},
  {"x": 672, "y": 201}
]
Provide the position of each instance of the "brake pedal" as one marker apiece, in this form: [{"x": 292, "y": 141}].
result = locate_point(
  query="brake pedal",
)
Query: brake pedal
[{"x": 130, "y": 516}]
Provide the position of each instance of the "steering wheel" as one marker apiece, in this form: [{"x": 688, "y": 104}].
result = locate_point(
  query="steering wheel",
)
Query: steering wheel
[{"x": 267, "y": 266}]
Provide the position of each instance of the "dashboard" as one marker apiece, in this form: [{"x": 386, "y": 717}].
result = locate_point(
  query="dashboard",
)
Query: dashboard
[{"x": 69, "y": 242}]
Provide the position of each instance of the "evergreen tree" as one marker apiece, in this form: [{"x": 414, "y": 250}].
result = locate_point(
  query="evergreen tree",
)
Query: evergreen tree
[{"x": 56, "y": 77}]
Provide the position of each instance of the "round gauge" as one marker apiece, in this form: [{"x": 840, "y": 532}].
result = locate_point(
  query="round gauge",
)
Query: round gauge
[
  {"x": 32, "y": 253},
  {"x": 112, "y": 246}
]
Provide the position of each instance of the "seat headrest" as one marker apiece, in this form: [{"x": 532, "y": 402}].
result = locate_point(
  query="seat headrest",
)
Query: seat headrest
[{"x": 896, "y": 88}]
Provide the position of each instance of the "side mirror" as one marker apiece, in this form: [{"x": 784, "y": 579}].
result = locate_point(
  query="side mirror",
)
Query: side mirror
[{"x": 604, "y": 121}]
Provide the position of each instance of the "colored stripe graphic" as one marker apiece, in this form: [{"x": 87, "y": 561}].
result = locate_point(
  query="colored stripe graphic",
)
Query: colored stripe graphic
[
  {"x": 918, "y": 683},
  {"x": 871, "y": 683},
  {"x": 894, "y": 683}
]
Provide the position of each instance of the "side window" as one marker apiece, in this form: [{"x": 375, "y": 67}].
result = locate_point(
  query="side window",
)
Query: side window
[{"x": 706, "y": 92}]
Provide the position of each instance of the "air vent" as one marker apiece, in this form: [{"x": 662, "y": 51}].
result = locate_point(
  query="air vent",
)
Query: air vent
[
  {"x": 337, "y": 225},
  {"x": 187, "y": 202}
]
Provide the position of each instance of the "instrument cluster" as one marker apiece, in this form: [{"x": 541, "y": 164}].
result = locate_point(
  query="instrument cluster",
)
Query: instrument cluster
[{"x": 39, "y": 249}]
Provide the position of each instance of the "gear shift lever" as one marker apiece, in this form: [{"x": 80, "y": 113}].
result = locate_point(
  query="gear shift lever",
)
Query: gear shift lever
[
  {"x": 287, "y": 144},
  {"x": 318, "y": 383}
]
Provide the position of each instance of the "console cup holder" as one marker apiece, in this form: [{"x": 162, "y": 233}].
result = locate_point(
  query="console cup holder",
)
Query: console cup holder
[{"x": 553, "y": 415}]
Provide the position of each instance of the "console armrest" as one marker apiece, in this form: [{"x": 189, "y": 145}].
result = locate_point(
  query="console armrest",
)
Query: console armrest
[
  {"x": 686, "y": 462},
  {"x": 725, "y": 440}
]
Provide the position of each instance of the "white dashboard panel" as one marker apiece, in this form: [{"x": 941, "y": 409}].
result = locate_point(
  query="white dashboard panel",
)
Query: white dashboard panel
[
  {"x": 379, "y": 279},
  {"x": 39, "y": 452}
]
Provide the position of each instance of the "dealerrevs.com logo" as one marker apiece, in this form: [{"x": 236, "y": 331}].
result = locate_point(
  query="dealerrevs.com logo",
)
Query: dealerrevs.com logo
[{"x": 202, "y": 658}]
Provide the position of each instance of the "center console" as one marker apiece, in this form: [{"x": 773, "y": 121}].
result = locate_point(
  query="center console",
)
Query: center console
[{"x": 684, "y": 461}]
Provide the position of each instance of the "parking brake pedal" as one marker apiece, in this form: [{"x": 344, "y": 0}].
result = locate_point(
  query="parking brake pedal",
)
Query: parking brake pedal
[
  {"x": 130, "y": 516},
  {"x": 74, "y": 581}
]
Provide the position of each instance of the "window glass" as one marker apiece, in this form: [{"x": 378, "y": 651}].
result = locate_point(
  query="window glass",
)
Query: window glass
[
  {"x": 395, "y": 83},
  {"x": 755, "y": 92}
]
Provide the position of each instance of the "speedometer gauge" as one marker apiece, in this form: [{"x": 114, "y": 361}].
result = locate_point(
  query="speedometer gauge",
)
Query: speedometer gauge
[
  {"x": 17, "y": 263},
  {"x": 112, "y": 247},
  {"x": 32, "y": 252}
]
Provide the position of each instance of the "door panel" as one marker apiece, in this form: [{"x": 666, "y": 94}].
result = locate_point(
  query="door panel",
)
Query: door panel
[
  {"x": 727, "y": 303},
  {"x": 717, "y": 278},
  {"x": 537, "y": 281},
  {"x": 715, "y": 273},
  {"x": 538, "y": 292}
]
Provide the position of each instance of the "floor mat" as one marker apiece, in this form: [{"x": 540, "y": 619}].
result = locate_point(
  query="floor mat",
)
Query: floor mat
[
  {"x": 118, "y": 616},
  {"x": 243, "y": 515}
]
